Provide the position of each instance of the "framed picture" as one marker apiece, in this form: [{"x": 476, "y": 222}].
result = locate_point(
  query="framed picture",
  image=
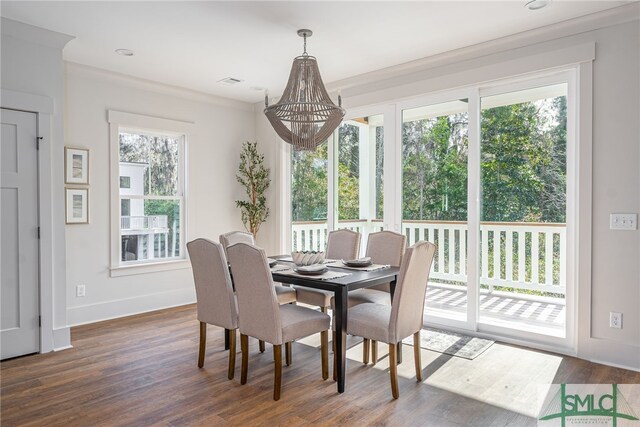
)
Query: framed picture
[
  {"x": 76, "y": 165},
  {"x": 77, "y": 205}
]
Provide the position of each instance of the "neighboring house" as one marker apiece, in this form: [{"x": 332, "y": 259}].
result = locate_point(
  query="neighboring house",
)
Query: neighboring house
[{"x": 144, "y": 237}]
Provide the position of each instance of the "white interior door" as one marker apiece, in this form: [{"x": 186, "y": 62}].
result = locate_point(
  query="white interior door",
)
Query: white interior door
[{"x": 19, "y": 320}]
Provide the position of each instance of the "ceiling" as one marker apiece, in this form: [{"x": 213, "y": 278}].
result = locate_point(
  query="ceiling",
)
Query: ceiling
[{"x": 195, "y": 44}]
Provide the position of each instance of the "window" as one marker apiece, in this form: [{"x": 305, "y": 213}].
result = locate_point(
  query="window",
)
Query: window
[
  {"x": 149, "y": 193},
  {"x": 125, "y": 182}
]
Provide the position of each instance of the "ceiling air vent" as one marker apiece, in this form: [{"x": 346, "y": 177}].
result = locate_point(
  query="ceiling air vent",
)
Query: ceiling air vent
[{"x": 230, "y": 81}]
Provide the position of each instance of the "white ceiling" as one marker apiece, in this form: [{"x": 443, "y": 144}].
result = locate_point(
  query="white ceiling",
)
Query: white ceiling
[{"x": 195, "y": 44}]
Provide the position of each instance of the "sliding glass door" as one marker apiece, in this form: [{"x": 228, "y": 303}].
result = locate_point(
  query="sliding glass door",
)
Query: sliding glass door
[{"x": 434, "y": 198}]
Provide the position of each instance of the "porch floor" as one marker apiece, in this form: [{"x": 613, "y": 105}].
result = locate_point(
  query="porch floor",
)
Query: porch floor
[{"x": 543, "y": 315}]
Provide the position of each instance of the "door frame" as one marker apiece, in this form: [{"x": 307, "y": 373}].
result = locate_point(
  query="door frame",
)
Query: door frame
[{"x": 44, "y": 109}]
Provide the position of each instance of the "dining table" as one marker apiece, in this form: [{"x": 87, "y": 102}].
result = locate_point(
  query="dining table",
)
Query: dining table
[{"x": 340, "y": 286}]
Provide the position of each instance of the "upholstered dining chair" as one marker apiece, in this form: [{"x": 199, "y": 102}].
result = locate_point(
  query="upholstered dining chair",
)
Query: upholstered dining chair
[
  {"x": 216, "y": 303},
  {"x": 263, "y": 318},
  {"x": 386, "y": 248},
  {"x": 286, "y": 294},
  {"x": 392, "y": 324},
  {"x": 341, "y": 244}
]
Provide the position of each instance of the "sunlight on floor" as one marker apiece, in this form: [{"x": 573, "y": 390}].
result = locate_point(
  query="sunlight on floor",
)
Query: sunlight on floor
[{"x": 504, "y": 376}]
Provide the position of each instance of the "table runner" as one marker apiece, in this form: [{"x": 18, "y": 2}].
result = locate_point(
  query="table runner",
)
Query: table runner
[{"x": 372, "y": 267}]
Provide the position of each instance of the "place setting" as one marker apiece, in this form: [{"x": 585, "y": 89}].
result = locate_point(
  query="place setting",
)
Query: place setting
[{"x": 360, "y": 264}]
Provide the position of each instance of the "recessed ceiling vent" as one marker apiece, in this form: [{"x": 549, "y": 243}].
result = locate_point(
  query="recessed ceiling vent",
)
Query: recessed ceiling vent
[{"x": 230, "y": 81}]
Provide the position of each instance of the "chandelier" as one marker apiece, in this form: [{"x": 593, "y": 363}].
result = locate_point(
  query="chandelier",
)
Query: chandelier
[{"x": 305, "y": 116}]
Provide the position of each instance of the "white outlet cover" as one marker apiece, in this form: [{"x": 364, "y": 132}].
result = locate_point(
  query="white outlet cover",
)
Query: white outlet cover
[
  {"x": 623, "y": 221},
  {"x": 615, "y": 320}
]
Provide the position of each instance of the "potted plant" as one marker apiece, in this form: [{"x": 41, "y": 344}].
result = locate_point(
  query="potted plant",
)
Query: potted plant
[{"x": 254, "y": 177}]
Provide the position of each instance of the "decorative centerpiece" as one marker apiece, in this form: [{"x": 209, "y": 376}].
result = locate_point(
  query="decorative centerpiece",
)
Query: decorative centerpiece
[{"x": 307, "y": 257}]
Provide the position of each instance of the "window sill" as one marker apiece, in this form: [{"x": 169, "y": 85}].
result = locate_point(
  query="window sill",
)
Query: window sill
[{"x": 152, "y": 267}]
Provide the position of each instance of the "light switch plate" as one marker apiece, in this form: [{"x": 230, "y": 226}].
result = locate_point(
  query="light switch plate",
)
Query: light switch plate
[{"x": 623, "y": 221}]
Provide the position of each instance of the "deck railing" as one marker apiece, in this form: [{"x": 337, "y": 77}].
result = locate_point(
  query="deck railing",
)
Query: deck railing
[
  {"x": 148, "y": 222},
  {"x": 528, "y": 256}
]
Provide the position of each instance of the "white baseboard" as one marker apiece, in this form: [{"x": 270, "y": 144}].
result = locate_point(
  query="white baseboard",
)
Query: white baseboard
[
  {"x": 62, "y": 338},
  {"x": 92, "y": 313}
]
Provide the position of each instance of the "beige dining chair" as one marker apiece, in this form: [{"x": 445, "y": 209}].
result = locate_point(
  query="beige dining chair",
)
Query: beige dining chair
[
  {"x": 386, "y": 248},
  {"x": 263, "y": 318},
  {"x": 341, "y": 244},
  {"x": 392, "y": 324},
  {"x": 216, "y": 303},
  {"x": 286, "y": 294}
]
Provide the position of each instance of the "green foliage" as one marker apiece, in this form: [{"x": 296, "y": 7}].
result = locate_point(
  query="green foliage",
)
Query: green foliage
[
  {"x": 254, "y": 177},
  {"x": 309, "y": 184}
]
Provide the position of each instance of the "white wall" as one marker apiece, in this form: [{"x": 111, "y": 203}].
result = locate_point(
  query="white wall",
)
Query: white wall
[
  {"x": 612, "y": 281},
  {"x": 220, "y": 127},
  {"x": 32, "y": 64}
]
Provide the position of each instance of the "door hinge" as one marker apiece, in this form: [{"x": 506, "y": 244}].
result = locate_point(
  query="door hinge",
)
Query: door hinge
[
  {"x": 38, "y": 232},
  {"x": 38, "y": 139}
]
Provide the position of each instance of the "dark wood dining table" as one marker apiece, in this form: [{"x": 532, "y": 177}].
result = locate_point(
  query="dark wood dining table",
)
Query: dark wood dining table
[{"x": 341, "y": 287}]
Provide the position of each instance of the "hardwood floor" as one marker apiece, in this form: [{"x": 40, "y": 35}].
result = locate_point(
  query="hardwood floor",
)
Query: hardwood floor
[{"x": 142, "y": 370}]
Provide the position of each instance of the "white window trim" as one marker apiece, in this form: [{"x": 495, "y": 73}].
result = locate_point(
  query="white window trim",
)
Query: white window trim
[{"x": 118, "y": 121}]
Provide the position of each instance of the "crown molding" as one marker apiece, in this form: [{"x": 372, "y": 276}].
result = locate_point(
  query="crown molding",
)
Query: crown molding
[
  {"x": 75, "y": 69},
  {"x": 583, "y": 24},
  {"x": 33, "y": 34}
]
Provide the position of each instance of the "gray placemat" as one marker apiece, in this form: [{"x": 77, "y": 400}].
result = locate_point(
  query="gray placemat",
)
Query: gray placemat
[
  {"x": 452, "y": 343},
  {"x": 324, "y": 276}
]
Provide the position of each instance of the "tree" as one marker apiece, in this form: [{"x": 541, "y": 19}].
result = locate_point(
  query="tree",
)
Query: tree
[{"x": 254, "y": 177}]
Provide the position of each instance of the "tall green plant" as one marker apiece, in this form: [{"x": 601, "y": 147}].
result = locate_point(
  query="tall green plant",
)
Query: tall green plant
[{"x": 254, "y": 177}]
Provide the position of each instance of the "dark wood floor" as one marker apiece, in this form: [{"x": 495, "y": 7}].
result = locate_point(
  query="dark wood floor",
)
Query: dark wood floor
[{"x": 141, "y": 370}]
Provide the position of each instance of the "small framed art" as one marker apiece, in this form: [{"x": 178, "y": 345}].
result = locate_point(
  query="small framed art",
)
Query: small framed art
[
  {"x": 77, "y": 205},
  {"x": 76, "y": 165}
]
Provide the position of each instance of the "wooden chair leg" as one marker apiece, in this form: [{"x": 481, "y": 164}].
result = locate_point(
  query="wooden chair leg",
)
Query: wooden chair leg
[
  {"x": 244, "y": 344},
  {"x": 365, "y": 351},
  {"x": 232, "y": 353},
  {"x": 261, "y": 345},
  {"x": 323, "y": 310},
  {"x": 374, "y": 351},
  {"x": 324, "y": 350},
  {"x": 393, "y": 370},
  {"x": 288, "y": 351},
  {"x": 277, "y": 382},
  {"x": 416, "y": 355},
  {"x": 203, "y": 344},
  {"x": 399, "y": 350}
]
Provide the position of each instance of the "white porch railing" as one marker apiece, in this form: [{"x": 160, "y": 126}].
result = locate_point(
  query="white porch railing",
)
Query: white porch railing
[
  {"x": 529, "y": 256},
  {"x": 143, "y": 222}
]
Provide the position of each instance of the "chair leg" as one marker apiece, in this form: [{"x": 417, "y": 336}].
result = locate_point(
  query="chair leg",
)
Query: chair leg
[
  {"x": 288, "y": 351},
  {"x": 399, "y": 347},
  {"x": 203, "y": 344},
  {"x": 374, "y": 351},
  {"x": 277, "y": 383},
  {"x": 244, "y": 344},
  {"x": 393, "y": 370},
  {"x": 261, "y": 345},
  {"x": 416, "y": 355},
  {"x": 365, "y": 351},
  {"x": 324, "y": 350},
  {"x": 323, "y": 310},
  {"x": 232, "y": 353}
]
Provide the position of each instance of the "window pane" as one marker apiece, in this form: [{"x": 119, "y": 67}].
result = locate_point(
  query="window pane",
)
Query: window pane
[
  {"x": 157, "y": 159},
  {"x": 523, "y": 228},
  {"x": 309, "y": 199},
  {"x": 434, "y": 198},
  {"x": 360, "y": 168},
  {"x": 151, "y": 231}
]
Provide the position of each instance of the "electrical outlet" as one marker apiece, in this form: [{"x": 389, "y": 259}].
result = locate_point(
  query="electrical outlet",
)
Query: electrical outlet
[
  {"x": 615, "y": 320},
  {"x": 623, "y": 221},
  {"x": 80, "y": 291}
]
